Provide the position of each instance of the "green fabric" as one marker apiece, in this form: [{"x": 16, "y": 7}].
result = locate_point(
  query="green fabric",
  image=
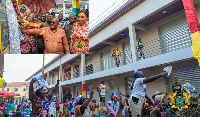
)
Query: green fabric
[
  {"x": 69, "y": 32},
  {"x": 47, "y": 23}
]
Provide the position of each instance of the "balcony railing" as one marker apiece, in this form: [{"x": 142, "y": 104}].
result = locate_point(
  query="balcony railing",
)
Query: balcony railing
[
  {"x": 109, "y": 62},
  {"x": 173, "y": 41},
  {"x": 71, "y": 75}
]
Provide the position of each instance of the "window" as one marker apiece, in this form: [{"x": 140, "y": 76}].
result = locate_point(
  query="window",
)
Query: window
[
  {"x": 67, "y": 74},
  {"x": 88, "y": 66},
  {"x": 24, "y": 89},
  {"x": 15, "y": 89},
  {"x": 76, "y": 71},
  {"x": 7, "y": 89},
  {"x": 106, "y": 59},
  {"x": 2, "y": 89}
]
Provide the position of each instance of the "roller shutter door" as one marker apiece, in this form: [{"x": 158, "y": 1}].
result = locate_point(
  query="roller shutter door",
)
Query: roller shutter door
[{"x": 190, "y": 74}]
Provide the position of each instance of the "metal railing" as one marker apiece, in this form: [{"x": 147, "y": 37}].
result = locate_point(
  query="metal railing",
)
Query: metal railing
[
  {"x": 109, "y": 62},
  {"x": 172, "y": 41},
  {"x": 71, "y": 75}
]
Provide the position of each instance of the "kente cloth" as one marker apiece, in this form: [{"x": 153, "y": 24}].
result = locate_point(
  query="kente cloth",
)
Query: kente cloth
[
  {"x": 193, "y": 27},
  {"x": 15, "y": 35},
  {"x": 40, "y": 82},
  {"x": 80, "y": 39},
  {"x": 29, "y": 44}
]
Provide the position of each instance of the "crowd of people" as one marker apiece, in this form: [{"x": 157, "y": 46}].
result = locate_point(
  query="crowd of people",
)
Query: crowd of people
[
  {"x": 45, "y": 34},
  {"x": 43, "y": 102}
]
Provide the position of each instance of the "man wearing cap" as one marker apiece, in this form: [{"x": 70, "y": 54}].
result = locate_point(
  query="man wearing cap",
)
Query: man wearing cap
[
  {"x": 69, "y": 27},
  {"x": 50, "y": 16}
]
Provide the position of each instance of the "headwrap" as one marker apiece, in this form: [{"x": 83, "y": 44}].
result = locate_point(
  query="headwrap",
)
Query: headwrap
[
  {"x": 137, "y": 74},
  {"x": 78, "y": 98},
  {"x": 23, "y": 8},
  {"x": 40, "y": 82}
]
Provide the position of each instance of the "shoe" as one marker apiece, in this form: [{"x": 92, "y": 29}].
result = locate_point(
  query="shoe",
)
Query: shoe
[{"x": 168, "y": 70}]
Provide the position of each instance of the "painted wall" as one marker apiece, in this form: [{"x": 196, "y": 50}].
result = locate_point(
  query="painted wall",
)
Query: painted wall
[{"x": 20, "y": 90}]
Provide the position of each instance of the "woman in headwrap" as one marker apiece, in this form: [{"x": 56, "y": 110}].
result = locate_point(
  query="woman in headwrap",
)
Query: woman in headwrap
[
  {"x": 83, "y": 108},
  {"x": 139, "y": 91}
]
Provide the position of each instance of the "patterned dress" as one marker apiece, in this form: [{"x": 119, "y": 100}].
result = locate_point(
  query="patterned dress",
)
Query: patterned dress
[
  {"x": 40, "y": 107},
  {"x": 80, "y": 39},
  {"x": 29, "y": 44}
]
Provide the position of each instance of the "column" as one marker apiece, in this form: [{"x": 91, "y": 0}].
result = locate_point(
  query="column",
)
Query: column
[
  {"x": 64, "y": 8},
  {"x": 82, "y": 74},
  {"x": 83, "y": 89},
  {"x": 132, "y": 36},
  {"x": 60, "y": 78}
]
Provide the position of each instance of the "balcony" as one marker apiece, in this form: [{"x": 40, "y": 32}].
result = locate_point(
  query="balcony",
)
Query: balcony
[
  {"x": 178, "y": 39},
  {"x": 108, "y": 63},
  {"x": 71, "y": 75}
]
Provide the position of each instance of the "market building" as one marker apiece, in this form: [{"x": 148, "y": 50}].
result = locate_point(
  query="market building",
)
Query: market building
[{"x": 166, "y": 41}]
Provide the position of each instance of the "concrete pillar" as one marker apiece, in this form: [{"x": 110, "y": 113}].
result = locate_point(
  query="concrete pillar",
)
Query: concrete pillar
[
  {"x": 132, "y": 36},
  {"x": 64, "y": 8},
  {"x": 60, "y": 78},
  {"x": 83, "y": 89}
]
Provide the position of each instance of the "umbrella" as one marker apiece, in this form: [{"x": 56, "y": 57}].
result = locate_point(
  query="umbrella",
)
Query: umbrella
[
  {"x": 3, "y": 92},
  {"x": 10, "y": 94},
  {"x": 41, "y": 5}
]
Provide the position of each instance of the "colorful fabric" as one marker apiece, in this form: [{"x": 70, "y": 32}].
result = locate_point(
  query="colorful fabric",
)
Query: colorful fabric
[
  {"x": 40, "y": 106},
  {"x": 80, "y": 39},
  {"x": 193, "y": 26},
  {"x": 55, "y": 42},
  {"x": 4, "y": 27},
  {"x": 29, "y": 44},
  {"x": 40, "y": 82}
]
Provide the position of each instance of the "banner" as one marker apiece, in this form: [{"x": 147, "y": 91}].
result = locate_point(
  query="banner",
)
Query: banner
[
  {"x": 4, "y": 29},
  {"x": 193, "y": 26},
  {"x": 45, "y": 109}
]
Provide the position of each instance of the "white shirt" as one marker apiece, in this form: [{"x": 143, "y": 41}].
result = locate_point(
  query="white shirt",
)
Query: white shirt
[{"x": 139, "y": 88}]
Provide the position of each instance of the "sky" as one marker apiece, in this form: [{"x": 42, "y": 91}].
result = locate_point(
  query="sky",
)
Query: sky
[
  {"x": 17, "y": 68},
  {"x": 97, "y": 7}
]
